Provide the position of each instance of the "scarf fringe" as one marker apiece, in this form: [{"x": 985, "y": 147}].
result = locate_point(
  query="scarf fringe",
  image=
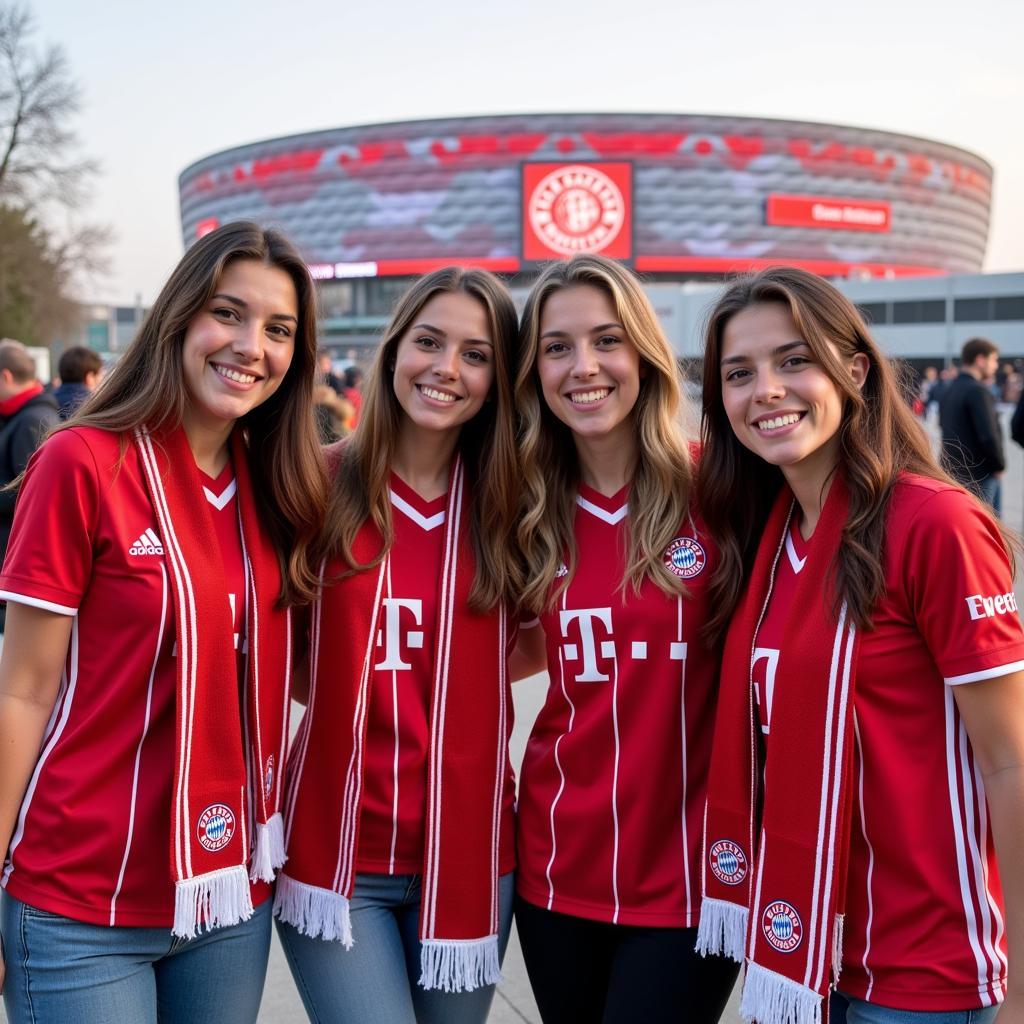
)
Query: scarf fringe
[
  {"x": 771, "y": 998},
  {"x": 459, "y": 965},
  {"x": 722, "y": 930},
  {"x": 837, "y": 949},
  {"x": 214, "y": 900},
  {"x": 318, "y": 913},
  {"x": 268, "y": 854}
]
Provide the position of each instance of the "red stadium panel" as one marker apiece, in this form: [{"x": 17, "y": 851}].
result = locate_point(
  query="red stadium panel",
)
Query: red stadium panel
[
  {"x": 827, "y": 212},
  {"x": 744, "y": 265}
]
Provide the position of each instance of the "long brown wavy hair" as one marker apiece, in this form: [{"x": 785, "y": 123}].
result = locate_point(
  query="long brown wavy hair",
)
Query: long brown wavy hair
[
  {"x": 879, "y": 438},
  {"x": 360, "y": 490},
  {"x": 662, "y": 477},
  {"x": 147, "y": 387}
]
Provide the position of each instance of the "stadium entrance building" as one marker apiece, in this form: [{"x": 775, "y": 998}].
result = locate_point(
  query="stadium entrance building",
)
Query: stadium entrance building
[{"x": 677, "y": 197}]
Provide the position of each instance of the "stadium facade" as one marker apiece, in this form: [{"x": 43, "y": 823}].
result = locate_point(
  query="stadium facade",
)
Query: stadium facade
[{"x": 678, "y": 197}]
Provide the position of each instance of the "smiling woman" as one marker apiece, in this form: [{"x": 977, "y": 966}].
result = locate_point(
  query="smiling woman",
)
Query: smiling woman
[
  {"x": 160, "y": 541},
  {"x": 617, "y": 563},
  {"x": 402, "y": 757},
  {"x": 871, "y": 702}
]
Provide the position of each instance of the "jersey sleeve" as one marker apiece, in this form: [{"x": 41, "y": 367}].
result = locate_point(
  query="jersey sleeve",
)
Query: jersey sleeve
[
  {"x": 49, "y": 557},
  {"x": 960, "y": 589}
]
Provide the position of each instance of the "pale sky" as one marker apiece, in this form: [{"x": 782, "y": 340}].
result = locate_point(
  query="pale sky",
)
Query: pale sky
[{"x": 166, "y": 84}]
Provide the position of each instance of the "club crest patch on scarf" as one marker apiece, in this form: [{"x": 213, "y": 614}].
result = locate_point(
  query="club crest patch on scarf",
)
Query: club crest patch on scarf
[
  {"x": 782, "y": 926},
  {"x": 728, "y": 862},
  {"x": 268, "y": 777},
  {"x": 215, "y": 828},
  {"x": 685, "y": 558}
]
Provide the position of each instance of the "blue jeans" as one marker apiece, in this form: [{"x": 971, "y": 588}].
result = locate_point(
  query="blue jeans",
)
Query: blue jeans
[
  {"x": 991, "y": 489},
  {"x": 844, "y": 1009},
  {"x": 61, "y": 971},
  {"x": 375, "y": 982}
]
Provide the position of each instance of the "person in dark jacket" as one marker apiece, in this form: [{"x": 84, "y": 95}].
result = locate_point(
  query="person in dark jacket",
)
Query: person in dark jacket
[
  {"x": 80, "y": 370},
  {"x": 27, "y": 414},
  {"x": 972, "y": 439}
]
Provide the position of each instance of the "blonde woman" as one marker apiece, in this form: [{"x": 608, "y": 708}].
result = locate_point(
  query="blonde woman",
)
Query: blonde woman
[
  {"x": 397, "y": 899},
  {"x": 617, "y": 563}
]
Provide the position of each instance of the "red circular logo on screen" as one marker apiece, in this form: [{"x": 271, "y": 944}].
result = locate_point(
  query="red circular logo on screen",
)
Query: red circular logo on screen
[{"x": 576, "y": 209}]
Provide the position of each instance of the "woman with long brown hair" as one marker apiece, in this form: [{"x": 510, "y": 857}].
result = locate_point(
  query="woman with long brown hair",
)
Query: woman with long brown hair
[
  {"x": 617, "y": 558},
  {"x": 396, "y": 902},
  {"x": 161, "y": 538},
  {"x": 869, "y": 745}
]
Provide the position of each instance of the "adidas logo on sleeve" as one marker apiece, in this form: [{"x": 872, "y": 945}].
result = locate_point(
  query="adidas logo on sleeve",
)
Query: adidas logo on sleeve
[{"x": 147, "y": 544}]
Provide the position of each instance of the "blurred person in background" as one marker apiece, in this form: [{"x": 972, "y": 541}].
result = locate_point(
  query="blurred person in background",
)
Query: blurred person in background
[
  {"x": 27, "y": 414},
  {"x": 80, "y": 370},
  {"x": 972, "y": 437},
  {"x": 326, "y": 372},
  {"x": 353, "y": 391}
]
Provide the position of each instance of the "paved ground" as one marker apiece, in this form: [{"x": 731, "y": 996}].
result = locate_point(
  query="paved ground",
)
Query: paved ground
[{"x": 514, "y": 1002}]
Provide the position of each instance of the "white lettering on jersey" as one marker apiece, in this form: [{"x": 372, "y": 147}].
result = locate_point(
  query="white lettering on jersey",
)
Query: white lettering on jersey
[
  {"x": 982, "y": 607},
  {"x": 390, "y": 636},
  {"x": 770, "y": 657},
  {"x": 586, "y": 617}
]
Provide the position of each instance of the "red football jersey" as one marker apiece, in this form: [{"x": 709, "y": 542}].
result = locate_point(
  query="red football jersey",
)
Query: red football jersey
[
  {"x": 614, "y": 777},
  {"x": 924, "y": 925},
  {"x": 92, "y": 841},
  {"x": 392, "y": 823}
]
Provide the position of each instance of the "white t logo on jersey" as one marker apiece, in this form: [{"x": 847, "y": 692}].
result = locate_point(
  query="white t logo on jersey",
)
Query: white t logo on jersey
[
  {"x": 235, "y": 634},
  {"x": 390, "y": 635},
  {"x": 586, "y": 617},
  {"x": 231, "y": 601},
  {"x": 770, "y": 657}
]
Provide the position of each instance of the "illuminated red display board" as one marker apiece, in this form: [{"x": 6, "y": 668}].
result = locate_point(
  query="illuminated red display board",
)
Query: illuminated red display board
[
  {"x": 577, "y": 207},
  {"x": 827, "y": 212}
]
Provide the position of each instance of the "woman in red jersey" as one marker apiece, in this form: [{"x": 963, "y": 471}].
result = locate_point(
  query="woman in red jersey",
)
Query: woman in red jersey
[
  {"x": 868, "y": 762},
  {"x": 617, "y": 562},
  {"x": 159, "y": 541},
  {"x": 396, "y": 902}
]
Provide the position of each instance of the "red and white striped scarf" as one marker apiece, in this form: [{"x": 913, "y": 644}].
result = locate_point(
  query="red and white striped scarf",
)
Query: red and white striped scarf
[
  {"x": 227, "y": 785},
  {"x": 465, "y": 771},
  {"x": 774, "y": 889}
]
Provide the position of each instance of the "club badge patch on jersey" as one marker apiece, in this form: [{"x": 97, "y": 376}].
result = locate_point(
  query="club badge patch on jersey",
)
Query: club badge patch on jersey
[
  {"x": 782, "y": 926},
  {"x": 268, "y": 777},
  {"x": 216, "y": 827},
  {"x": 685, "y": 558},
  {"x": 728, "y": 862}
]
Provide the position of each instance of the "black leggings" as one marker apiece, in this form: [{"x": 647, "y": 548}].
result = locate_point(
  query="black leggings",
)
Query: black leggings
[{"x": 590, "y": 972}]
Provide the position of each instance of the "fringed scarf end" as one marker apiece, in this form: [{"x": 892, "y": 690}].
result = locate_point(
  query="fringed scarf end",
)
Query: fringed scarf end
[
  {"x": 459, "y": 965},
  {"x": 837, "y": 949},
  {"x": 318, "y": 913},
  {"x": 268, "y": 853},
  {"x": 770, "y": 998},
  {"x": 722, "y": 930},
  {"x": 214, "y": 900}
]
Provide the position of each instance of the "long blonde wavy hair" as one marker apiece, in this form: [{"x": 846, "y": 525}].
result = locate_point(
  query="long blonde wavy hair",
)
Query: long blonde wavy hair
[
  {"x": 360, "y": 490},
  {"x": 662, "y": 476}
]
